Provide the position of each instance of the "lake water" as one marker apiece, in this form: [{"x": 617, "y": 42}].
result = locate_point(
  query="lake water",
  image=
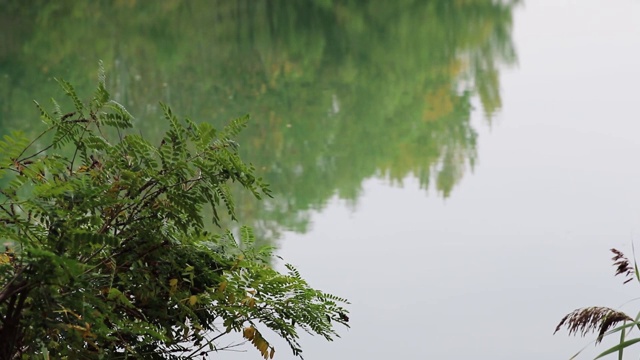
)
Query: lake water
[{"x": 457, "y": 169}]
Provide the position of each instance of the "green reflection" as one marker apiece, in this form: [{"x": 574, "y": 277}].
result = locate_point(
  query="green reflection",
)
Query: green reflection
[{"x": 340, "y": 91}]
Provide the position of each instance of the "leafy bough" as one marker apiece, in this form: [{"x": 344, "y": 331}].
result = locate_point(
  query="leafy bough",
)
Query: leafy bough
[{"x": 108, "y": 253}]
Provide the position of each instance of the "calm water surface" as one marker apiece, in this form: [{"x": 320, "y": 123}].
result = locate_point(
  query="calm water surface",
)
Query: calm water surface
[{"x": 457, "y": 169}]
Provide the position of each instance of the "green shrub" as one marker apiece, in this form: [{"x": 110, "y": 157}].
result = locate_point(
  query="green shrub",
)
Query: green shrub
[{"x": 108, "y": 254}]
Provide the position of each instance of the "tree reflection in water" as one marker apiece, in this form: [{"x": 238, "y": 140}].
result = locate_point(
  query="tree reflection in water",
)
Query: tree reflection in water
[{"x": 339, "y": 91}]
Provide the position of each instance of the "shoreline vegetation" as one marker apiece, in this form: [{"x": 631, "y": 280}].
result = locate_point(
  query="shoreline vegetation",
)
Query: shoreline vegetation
[
  {"x": 606, "y": 321},
  {"x": 108, "y": 253}
]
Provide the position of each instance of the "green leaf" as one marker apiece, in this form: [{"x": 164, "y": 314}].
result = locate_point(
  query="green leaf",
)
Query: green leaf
[
  {"x": 122, "y": 118},
  {"x": 620, "y": 353},
  {"x": 118, "y": 120},
  {"x": 618, "y": 347},
  {"x": 71, "y": 92},
  {"x": 44, "y": 114},
  {"x": 101, "y": 95}
]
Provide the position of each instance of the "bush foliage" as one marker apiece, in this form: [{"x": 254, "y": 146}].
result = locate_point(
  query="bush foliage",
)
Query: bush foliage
[{"x": 108, "y": 254}]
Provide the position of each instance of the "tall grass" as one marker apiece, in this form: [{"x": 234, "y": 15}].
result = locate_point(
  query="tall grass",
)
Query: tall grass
[{"x": 603, "y": 320}]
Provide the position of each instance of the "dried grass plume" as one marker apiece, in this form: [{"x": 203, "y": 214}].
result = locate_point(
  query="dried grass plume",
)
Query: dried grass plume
[
  {"x": 596, "y": 318},
  {"x": 622, "y": 264}
]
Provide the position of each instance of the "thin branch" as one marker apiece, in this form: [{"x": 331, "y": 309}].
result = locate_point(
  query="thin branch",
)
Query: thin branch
[
  {"x": 75, "y": 153},
  {"x": 34, "y": 141},
  {"x": 45, "y": 148},
  {"x": 94, "y": 254},
  {"x": 206, "y": 344}
]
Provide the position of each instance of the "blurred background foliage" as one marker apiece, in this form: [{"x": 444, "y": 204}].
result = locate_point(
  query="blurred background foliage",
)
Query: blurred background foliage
[{"x": 339, "y": 90}]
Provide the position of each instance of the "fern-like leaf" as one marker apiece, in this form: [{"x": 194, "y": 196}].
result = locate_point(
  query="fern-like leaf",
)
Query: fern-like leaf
[
  {"x": 44, "y": 114},
  {"x": 101, "y": 96},
  {"x": 71, "y": 92}
]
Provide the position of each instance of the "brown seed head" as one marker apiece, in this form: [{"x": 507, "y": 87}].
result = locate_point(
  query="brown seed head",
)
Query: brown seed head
[
  {"x": 622, "y": 264},
  {"x": 585, "y": 320}
]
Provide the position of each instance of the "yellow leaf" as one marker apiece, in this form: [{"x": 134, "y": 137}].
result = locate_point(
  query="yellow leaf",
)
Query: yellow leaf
[
  {"x": 222, "y": 286},
  {"x": 87, "y": 334},
  {"x": 273, "y": 352},
  {"x": 173, "y": 283},
  {"x": 75, "y": 327},
  {"x": 249, "y": 333},
  {"x": 263, "y": 346},
  {"x": 193, "y": 299},
  {"x": 4, "y": 259}
]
